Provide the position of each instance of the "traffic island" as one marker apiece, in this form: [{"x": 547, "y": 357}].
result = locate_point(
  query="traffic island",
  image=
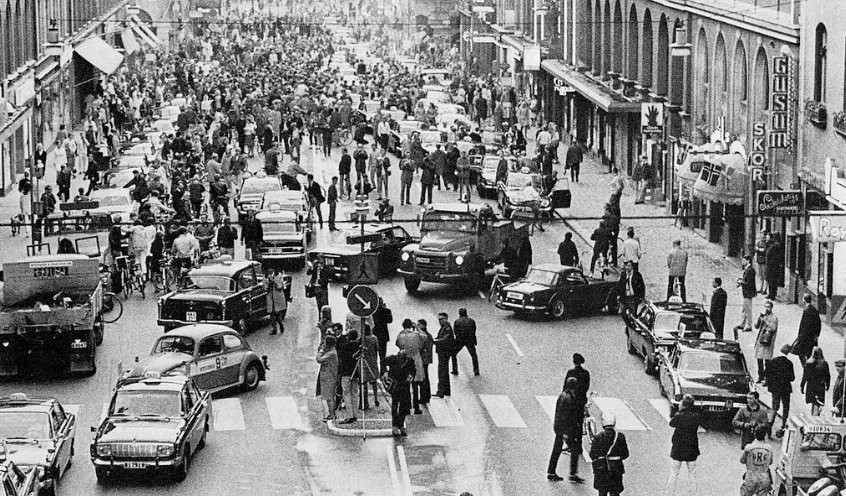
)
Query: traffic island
[{"x": 368, "y": 427}]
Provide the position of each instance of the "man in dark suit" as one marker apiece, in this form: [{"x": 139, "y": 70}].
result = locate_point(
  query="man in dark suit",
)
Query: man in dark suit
[
  {"x": 444, "y": 348},
  {"x": 719, "y": 300},
  {"x": 465, "y": 336},
  {"x": 567, "y": 425},
  {"x": 809, "y": 331},
  {"x": 749, "y": 289},
  {"x": 632, "y": 290},
  {"x": 779, "y": 379}
]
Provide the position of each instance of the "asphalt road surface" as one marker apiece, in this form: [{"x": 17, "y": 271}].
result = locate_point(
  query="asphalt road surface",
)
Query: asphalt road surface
[{"x": 493, "y": 436}]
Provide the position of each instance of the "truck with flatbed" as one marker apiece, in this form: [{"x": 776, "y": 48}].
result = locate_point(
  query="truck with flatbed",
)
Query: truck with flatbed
[
  {"x": 458, "y": 243},
  {"x": 51, "y": 315}
]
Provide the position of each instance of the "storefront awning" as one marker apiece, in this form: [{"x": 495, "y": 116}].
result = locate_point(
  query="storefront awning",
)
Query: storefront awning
[
  {"x": 602, "y": 96},
  {"x": 722, "y": 179},
  {"x": 515, "y": 43},
  {"x": 100, "y": 54},
  {"x": 501, "y": 29},
  {"x": 148, "y": 35},
  {"x": 130, "y": 44}
]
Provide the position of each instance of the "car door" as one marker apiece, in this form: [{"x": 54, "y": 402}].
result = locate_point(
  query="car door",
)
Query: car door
[
  {"x": 191, "y": 413},
  {"x": 234, "y": 351},
  {"x": 258, "y": 293},
  {"x": 246, "y": 281},
  {"x": 63, "y": 428},
  {"x": 665, "y": 372},
  {"x": 207, "y": 366},
  {"x": 571, "y": 288},
  {"x": 638, "y": 328},
  {"x": 201, "y": 410}
]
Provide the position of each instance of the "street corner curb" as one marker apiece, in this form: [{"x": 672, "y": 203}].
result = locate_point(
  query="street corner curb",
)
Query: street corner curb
[{"x": 372, "y": 432}]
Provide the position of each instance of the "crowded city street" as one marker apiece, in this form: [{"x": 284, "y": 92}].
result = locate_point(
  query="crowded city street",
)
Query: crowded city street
[{"x": 289, "y": 248}]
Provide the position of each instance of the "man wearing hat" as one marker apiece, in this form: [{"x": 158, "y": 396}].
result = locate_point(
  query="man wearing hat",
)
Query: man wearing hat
[
  {"x": 607, "y": 453},
  {"x": 567, "y": 424}
]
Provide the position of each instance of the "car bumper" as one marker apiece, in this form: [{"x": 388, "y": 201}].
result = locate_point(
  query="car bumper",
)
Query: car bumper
[
  {"x": 139, "y": 465},
  {"x": 714, "y": 406},
  {"x": 434, "y": 276},
  {"x": 175, "y": 323},
  {"x": 281, "y": 256},
  {"x": 507, "y": 305}
]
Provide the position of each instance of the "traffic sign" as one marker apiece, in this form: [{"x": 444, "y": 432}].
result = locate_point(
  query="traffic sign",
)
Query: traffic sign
[
  {"x": 363, "y": 269},
  {"x": 362, "y": 301},
  {"x": 466, "y": 36}
]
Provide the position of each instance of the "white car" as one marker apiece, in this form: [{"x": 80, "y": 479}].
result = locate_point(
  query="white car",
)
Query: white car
[{"x": 115, "y": 202}]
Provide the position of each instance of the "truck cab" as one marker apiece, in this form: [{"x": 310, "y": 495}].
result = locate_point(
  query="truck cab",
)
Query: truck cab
[
  {"x": 458, "y": 242},
  {"x": 811, "y": 447}
]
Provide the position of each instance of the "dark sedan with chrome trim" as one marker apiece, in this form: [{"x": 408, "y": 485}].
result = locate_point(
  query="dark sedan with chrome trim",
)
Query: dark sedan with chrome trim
[{"x": 558, "y": 290}]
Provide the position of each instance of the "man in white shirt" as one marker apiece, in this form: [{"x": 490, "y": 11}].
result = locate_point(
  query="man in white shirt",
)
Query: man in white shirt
[
  {"x": 543, "y": 139},
  {"x": 631, "y": 249},
  {"x": 384, "y": 132}
]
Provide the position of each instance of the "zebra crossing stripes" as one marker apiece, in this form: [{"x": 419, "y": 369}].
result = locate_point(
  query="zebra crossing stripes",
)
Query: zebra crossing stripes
[
  {"x": 627, "y": 419},
  {"x": 662, "y": 406},
  {"x": 284, "y": 413},
  {"x": 228, "y": 415},
  {"x": 502, "y": 410},
  {"x": 444, "y": 413}
]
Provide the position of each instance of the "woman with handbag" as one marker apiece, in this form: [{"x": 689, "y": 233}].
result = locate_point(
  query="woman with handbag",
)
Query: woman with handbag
[
  {"x": 607, "y": 453},
  {"x": 277, "y": 303},
  {"x": 327, "y": 378},
  {"x": 767, "y": 326},
  {"x": 816, "y": 380}
]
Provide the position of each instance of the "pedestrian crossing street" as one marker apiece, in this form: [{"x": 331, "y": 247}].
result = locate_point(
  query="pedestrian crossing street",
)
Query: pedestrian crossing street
[{"x": 285, "y": 413}]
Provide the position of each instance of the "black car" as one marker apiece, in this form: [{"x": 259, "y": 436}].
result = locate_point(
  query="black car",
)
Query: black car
[
  {"x": 385, "y": 240},
  {"x": 657, "y": 325},
  {"x": 229, "y": 293},
  {"x": 713, "y": 372},
  {"x": 558, "y": 290}
]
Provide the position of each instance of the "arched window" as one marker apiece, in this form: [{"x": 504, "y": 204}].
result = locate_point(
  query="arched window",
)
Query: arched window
[
  {"x": 821, "y": 40},
  {"x": 618, "y": 38},
  {"x": 597, "y": 35},
  {"x": 720, "y": 82},
  {"x": 761, "y": 98},
  {"x": 632, "y": 68},
  {"x": 702, "y": 80},
  {"x": 646, "y": 52},
  {"x": 740, "y": 91},
  {"x": 606, "y": 40},
  {"x": 663, "y": 57}
]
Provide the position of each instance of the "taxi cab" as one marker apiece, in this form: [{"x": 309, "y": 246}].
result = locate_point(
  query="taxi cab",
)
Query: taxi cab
[
  {"x": 215, "y": 356},
  {"x": 38, "y": 433},
  {"x": 152, "y": 424}
]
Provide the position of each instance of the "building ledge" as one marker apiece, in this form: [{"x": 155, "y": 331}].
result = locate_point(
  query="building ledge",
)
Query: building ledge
[{"x": 760, "y": 20}]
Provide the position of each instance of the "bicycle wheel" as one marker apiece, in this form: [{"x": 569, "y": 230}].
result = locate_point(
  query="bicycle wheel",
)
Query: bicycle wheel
[
  {"x": 139, "y": 285},
  {"x": 345, "y": 137},
  {"x": 126, "y": 283},
  {"x": 494, "y": 289},
  {"x": 112, "y": 308}
]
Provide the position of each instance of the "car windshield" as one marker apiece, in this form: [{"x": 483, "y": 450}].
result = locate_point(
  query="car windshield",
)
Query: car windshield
[
  {"x": 711, "y": 362},
  {"x": 821, "y": 441},
  {"x": 278, "y": 226},
  {"x": 542, "y": 277},
  {"x": 154, "y": 403},
  {"x": 448, "y": 221},
  {"x": 669, "y": 324},
  {"x": 112, "y": 201},
  {"x": 219, "y": 283},
  {"x": 490, "y": 163},
  {"x": 174, "y": 344},
  {"x": 430, "y": 137},
  {"x": 24, "y": 425},
  {"x": 520, "y": 181},
  {"x": 253, "y": 187}
]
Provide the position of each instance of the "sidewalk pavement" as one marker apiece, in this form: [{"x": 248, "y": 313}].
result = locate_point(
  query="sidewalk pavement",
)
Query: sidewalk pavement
[{"x": 705, "y": 261}]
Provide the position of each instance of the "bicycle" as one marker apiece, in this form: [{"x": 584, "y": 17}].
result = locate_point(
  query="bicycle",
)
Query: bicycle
[
  {"x": 164, "y": 277},
  {"x": 132, "y": 278},
  {"x": 342, "y": 137},
  {"x": 500, "y": 279},
  {"x": 112, "y": 307}
]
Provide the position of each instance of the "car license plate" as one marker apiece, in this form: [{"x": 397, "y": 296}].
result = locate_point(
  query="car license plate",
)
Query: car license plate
[
  {"x": 423, "y": 260},
  {"x": 728, "y": 404},
  {"x": 515, "y": 296},
  {"x": 135, "y": 465},
  {"x": 191, "y": 316},
  {"x": 330, "y": 262},
  {"x": 79, "y": 344}
]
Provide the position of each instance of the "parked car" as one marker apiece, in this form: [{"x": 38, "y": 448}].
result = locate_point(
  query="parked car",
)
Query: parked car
[
  {"x": 714, "y": 372},
  {"x": 17, "y": 482},
  {"x": 252, "y": 192},
  {"x": 215, "y": 356},
  {"x": 229, "y": 293},
  {"x": 37, "y": 433},
  {"x": 558, "y": 290},
  {"x": 385, "y": 240},
  {"x": 656, "y": 326},
  {"x": 152, "y": 424}
]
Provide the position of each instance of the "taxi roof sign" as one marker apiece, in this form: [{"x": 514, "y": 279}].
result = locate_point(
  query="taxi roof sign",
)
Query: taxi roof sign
[{"x": 18, "y": 397}]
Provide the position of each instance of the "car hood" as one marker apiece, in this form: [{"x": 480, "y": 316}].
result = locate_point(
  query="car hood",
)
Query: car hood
[
  {"x": 707, "y": 384},
  {"x": 250, "y": 198},
  {"x": 517, "y": 196},
  {"x": 525, "y": 287},
  {"x": 152, "y": 431},
  {"x": 280, "y": 237},
  {"x": 447, "y": 242},
  {"x": 163, "y": 362},
  {"x": 29, "y": 454},
  {"x": 199, "y": 295},
  {"x": 338, "y": 250}
]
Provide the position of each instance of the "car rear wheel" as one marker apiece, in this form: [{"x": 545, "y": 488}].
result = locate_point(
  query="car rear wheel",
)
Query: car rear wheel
[
  {"x": 558, "y": 308},
  {"x": 632, "y": 349},
  {"x": 412, "y": 284},
  {"x": 252, "y": 377}
]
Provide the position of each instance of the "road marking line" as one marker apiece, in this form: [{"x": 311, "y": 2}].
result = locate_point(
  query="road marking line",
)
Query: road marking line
[
  {"x": 502, "y": 411},
  {"x": 406, "y": 477},
  {"x": 228, "y": 415},
  {"x": 284, "y": 413},
  {"x": 627, "y": 420},
  {"x": 443, "y": 415},
  {"x": 514, "y": 345},
  {"x": 662, "y": 406},
  {"x": 548, "y": 404},
  {"x": 392, "y": 468}
]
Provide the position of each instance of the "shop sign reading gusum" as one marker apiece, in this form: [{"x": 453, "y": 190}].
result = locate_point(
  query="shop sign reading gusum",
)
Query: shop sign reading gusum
[
  {"x": 827, "y": 227},
  {"x": 781, "y": 96}
]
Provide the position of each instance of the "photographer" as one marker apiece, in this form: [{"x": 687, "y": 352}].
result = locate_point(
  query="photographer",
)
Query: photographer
[
  {"x": 767, "y": 326},
  {"x": 750, "y": 417}
]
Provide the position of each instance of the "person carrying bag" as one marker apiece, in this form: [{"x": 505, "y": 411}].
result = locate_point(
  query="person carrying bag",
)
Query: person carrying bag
[{"x": 607, "y": 453}]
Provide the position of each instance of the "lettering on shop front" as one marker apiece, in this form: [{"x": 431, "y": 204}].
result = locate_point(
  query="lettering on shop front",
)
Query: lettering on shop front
[
  {"x": 779, "y": 136},
  {"x": 827, "y": 228},
  {"x": 779, "y": 203}
]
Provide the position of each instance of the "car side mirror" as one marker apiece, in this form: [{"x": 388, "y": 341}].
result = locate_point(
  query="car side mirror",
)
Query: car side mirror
[{"x": 93, "y": 429}]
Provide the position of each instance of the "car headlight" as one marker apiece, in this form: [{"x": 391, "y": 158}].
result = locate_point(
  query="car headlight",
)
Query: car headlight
[
  {"x": 165, "y": 450},
  {"x": 104, "y": 450},
  {"x": 405, "y": 256},
  {"x": 459, "y": 260}
]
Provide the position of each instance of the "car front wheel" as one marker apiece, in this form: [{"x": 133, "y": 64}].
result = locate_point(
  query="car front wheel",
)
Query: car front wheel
[
  {"x": 181, "y": 472},
  {"x": 558, "y": 308}
]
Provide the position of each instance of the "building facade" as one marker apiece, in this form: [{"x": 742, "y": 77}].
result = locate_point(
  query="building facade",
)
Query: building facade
[{"x": 822, "y": 155}]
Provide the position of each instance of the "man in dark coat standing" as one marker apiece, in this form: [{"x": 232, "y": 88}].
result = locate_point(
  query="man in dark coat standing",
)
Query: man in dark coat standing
[
  {"x": 465, "y": 336},
  {"x": 608, "y": 450},
  {"x": 568, "y": 254},
  {"x": 780, "y": 376},
  {"x": 775, "y": 267},
  {"x": 582, "y": 377},
  {"x": 427, "y": 180},
  {"x": 719, "y": 301},
  {"x": 567, "y": 424},
  {"x": 381, "y": 318},
  {"x": 631, "y": 287},
  {"x": 809, "y": 331},
  {"x": 444, "y": 346},
  {"x": 573, "y": 160},
  {"x": 685, "y": 444}
]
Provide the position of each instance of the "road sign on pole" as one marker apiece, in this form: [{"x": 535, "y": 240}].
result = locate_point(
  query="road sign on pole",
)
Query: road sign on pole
[
  {"x": 362, "y": 301},
  {"x": 363, "y": 269}
]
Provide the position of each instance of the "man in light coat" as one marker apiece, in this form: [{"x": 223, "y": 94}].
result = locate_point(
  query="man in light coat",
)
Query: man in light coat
[{"x": 677, "y": 268}]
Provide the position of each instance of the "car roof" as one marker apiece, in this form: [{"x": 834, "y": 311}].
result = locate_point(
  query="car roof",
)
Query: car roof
[
  {"x": 266, "y": 179},
  {"x": 223, "y": 268},
  {"x": 708, "y": 345},
  {"x": 283, "y": 194},
  {"x": 474, "y": 208},
  {"x": 100, "y": 193},
  {"x": 198, "y": 331},
  {"x": 279, "y": 214},
  {"x": 173, "y": 382},
  {"x": 679, "y": 307},
  {"x": 551, "y": 267},
  {"x": 27, "y": 405}
]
